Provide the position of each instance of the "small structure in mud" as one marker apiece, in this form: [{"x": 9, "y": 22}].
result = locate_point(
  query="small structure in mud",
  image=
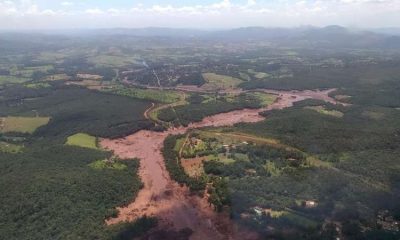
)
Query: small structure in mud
[
  {"x": 194, "y": 142},
  {"x": 226, "y": 148},
  {"x": 245, "y": 215},
  {"x": 310, "y": 204},
  {"x": 110, "y": 160},
  {"x": 258, "y": 211},
  {"x": 251, "y": 171},
  {"x": 387, "y": 222}
]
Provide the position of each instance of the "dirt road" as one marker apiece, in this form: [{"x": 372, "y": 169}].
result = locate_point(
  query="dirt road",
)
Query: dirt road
[{"x": 172, "y": 204}]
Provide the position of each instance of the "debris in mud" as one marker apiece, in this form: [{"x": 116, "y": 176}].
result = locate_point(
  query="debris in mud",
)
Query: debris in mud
[
  {"x": 168, "y": 193},
  {"x": 173, "y": 203}
]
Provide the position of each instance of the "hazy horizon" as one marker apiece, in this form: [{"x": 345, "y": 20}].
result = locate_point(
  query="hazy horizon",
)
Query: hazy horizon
[{"x": 194, "y": 14}]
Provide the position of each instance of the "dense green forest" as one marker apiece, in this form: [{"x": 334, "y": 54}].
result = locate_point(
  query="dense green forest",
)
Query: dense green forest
[
  {"x": 361, "y": 177},
  {"x": 53, "y": 191},
  {"x": 351, "y": 75},
  {"x": 74, "y": 109}
]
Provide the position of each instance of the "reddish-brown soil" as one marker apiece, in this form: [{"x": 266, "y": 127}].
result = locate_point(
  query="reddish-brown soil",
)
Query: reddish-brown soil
[
  {"x": 172, "y": 204},
  {"x": 193, "y": 166}
]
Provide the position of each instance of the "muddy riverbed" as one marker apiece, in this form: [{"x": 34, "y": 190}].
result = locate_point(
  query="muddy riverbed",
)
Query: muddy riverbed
[{"x": 174, "y": 205}]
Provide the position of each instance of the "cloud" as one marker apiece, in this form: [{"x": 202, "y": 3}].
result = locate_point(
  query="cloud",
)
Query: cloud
[
  {"x": 366, "y": 1},
  {"x": 48, "y": 12},
  {"x": 67, "y": 4},
  {"x": 251, "y": 2},
  {"x": 225, "y": 4},
  {"x": 113, "y": 11},
  {"x": 24, "y": 8},
  {"x": 220, "y": 13},
  {"x": 94, "y": 11}
]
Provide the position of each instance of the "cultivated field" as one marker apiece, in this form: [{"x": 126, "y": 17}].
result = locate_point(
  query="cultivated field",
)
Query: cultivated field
[
  {"x": 12, "y": 79},
  {"x": 160, "y": 96},
  {"x": 216, "y": 81},
  {"x": 22, "y": 124},
  {"x": 6, "y": 147},
  {"x": 57, "y": 77}
]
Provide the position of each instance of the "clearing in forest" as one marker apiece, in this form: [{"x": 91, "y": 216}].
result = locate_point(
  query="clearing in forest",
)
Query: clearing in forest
[
  {"x": 82, "y": 140},
  {"x": 57, "y": 77},
  {"x": 86, "y": 76},
  {"x": 12, "y": 79},
  {"x": 27, "y": 72},
  {"x": 322, "y": 110},
  {"x": 161, "y": 96},
  {"x": 208, "y": 145},
  {"x": 216, "y": 81},
  {"x": 265, "y": 98},
  {"x": 37, "y": 85},
  {"x": 107, "y": 164},
  {"x": 22, "y": 124},
  {"x": 9, "y": 147},
  {"x": 114, "y": 61},
  {"x": 258, "y": 75}
]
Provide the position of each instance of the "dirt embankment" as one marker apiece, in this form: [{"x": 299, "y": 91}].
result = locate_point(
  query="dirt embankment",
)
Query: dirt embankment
[{"x": 172, "y": 204}]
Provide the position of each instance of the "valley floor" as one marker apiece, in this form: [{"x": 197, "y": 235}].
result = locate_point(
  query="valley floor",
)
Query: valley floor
[{"x": 173, "y": 204}]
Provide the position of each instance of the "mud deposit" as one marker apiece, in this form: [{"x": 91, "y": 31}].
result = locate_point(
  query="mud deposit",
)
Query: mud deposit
[{"x": 174, "y": 205}]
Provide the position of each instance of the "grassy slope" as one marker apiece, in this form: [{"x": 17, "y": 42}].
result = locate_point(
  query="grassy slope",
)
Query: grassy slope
[
  {"x": 82, "y": 140},
  {"x": 216, "y": 81}
]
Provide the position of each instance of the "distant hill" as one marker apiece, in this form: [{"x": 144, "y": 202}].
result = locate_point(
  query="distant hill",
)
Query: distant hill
[
  {"x": 330, "y": 36},
  {"x": 308, "y": 37},
  {"x": 388, "y": 31}
]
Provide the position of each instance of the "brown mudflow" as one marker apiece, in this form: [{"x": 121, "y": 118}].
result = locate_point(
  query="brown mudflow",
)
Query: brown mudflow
[{"x": 174, "y": 205}]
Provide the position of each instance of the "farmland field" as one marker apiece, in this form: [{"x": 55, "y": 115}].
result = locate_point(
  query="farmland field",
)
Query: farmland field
[
  {"x": 57, "y": 77},
  {"x": 12, "y": 79},
  {"x": 6, "y": 147},
  {"x": 22, "y": 124},
  {"x": 216, "y": 81},
  {"x": 37, "y": 85},
  {"x": 161, "y": 96},
  {"x": 29, "y": 71}
]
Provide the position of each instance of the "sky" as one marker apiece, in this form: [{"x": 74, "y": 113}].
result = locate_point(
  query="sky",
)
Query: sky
[{"x": 204, "y": 14}]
